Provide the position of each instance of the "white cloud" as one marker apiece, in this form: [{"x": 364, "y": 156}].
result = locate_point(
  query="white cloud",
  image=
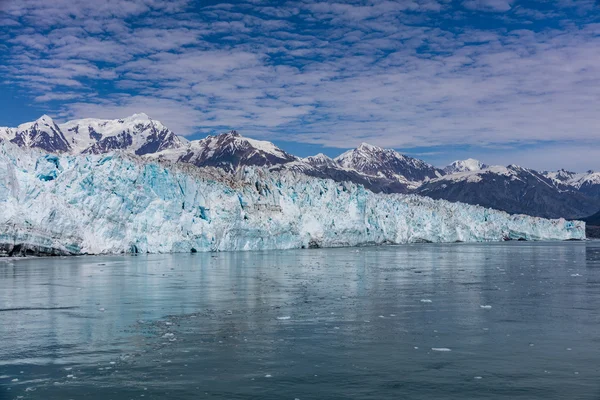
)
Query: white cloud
[
  {"x": 398, "y": 74},
  {"x": 488, "y": 5}
]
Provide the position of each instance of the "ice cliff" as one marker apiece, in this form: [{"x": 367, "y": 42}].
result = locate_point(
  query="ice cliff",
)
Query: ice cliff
[{"x": 115, "y": 203}]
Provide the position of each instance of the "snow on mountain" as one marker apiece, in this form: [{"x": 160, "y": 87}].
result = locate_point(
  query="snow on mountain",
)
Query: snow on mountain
[
  {"x": 42, "y": 133},
  {"x": 138, "y": 134},
  {"x": 561, "y": 176},
  {"x": 376, "y": 161},
  {"x": 55, "y": 204},
  {"x": 467, "y": 165},
  {"x": 587, "y": 183},
  {"x": 321, "y": 160},
  {"x": 513, "y": 189},
  {"x": 323, "y": 167},
  {"x": 228, "y": 151}
]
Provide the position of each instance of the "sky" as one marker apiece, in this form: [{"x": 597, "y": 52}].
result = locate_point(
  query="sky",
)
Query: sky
[{"x": 504, "y": 81}]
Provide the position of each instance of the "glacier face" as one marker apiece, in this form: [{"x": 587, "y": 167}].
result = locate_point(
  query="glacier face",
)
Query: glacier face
[{"x": 116, "y": 203}]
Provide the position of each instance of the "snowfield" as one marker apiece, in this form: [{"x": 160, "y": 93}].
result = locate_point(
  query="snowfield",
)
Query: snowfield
[{"x": 114, "y": 203}]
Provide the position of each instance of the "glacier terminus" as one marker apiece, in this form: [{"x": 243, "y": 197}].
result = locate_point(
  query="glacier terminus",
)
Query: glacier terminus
[{"x": 122, "y": 203}]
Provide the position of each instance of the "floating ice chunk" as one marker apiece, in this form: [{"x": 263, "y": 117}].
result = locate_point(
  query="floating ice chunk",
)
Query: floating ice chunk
[
  {"x": 426, "y": 301},
  {"x": 478, "y": 377},
  {"x": 101, "y": 309},
  {"x": 440, "y": 349},
  {"x": 284, "y": 318},
  {"x": 268, "y": 376},
  {"x": 487, "y": 307},
  {"x": 574, "y": 275},
  {"x": 168, "y": 335},
  {"x": 15, "y": 380}
]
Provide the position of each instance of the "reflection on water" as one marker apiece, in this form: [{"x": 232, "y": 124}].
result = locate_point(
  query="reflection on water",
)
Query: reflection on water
[{"x": 512, "y": 320}]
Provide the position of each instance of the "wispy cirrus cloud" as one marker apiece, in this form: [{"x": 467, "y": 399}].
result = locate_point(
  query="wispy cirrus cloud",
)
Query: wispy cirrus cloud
[
  {"x": 404, "y": 74},
  {"x": 488, "y": 5}
]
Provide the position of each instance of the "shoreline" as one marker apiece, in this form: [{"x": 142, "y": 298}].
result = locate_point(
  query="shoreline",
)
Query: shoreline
[{"x": 7, "y": 258}]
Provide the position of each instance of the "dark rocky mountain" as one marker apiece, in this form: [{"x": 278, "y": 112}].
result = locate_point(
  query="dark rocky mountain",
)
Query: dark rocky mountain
[
  {"x": 230, "y": 151},
  {"x": 42, "y": 134},
  {"x": 323, "y": 167},
  {"x": 513, "y": 189},
  {"x": 378, "y": 162}
]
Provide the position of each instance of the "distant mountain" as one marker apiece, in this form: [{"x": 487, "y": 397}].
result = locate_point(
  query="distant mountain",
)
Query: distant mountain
[
  {"x": 42, "y": 134},
  {"x": 587, "y": 183},
  {"x": 229, "y": 151},
  {"x": 467, "y": 165},
  {"x": 513, "y": 189},
  {"x": 321, "y": 166},
  {"x": 137, "y": 134},
  {"x": 378, "y": 162},
  {"x": 321, "y": 160}
]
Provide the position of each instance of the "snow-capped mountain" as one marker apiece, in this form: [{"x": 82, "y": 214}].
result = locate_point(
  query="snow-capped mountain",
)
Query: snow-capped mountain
[
  {"x": 53, "y": 204},
  {"x": 228, "y": 151},
  {"x": 513, "y": 189},
  {"x": 587, "y": 182},
  {"x": 376, "y": 161},
  {"x": 321, "y": 160},
  {"x": 138, "y": 134},
  {"x": 42, "y": 133},
  {"x": 467, "y": 165}
]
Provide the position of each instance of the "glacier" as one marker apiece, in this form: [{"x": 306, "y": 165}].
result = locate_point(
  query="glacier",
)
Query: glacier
[{"x": 122, "y": 203}]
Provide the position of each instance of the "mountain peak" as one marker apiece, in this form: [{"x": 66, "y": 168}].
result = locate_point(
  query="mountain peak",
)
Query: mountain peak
[
  {"x": 320, "y": 160},
  {"x": 376, "y": 161},
  {"x": 230, "y": 150},
  {"x": 468, "y": 165},
  {"x": 45, "y": 119},
  {"x": 367, "y": 146}
]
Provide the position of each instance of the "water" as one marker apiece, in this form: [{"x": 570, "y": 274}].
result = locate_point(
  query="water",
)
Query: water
[{"x": 468, "y": 321}]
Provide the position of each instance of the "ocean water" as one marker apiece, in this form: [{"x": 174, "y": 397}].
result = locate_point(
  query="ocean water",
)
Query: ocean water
[{"x": 427, "y": 321}]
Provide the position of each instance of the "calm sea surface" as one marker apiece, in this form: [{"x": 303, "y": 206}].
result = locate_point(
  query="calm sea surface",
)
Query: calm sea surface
[{"x": 461, "y": 321}]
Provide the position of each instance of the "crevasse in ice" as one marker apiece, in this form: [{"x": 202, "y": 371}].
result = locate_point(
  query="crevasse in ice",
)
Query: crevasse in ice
[{"x": 120, "y": 203}]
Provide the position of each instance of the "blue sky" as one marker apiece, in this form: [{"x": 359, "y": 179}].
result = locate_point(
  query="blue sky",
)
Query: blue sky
[{"x": 505, "y": 81}]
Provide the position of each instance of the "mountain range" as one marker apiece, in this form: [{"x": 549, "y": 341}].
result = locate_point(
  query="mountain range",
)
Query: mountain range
[{"x": 515, "y": 189}]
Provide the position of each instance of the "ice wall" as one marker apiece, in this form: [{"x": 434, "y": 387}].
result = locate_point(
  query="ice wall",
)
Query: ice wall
[{"x": 118, "y": 203}]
